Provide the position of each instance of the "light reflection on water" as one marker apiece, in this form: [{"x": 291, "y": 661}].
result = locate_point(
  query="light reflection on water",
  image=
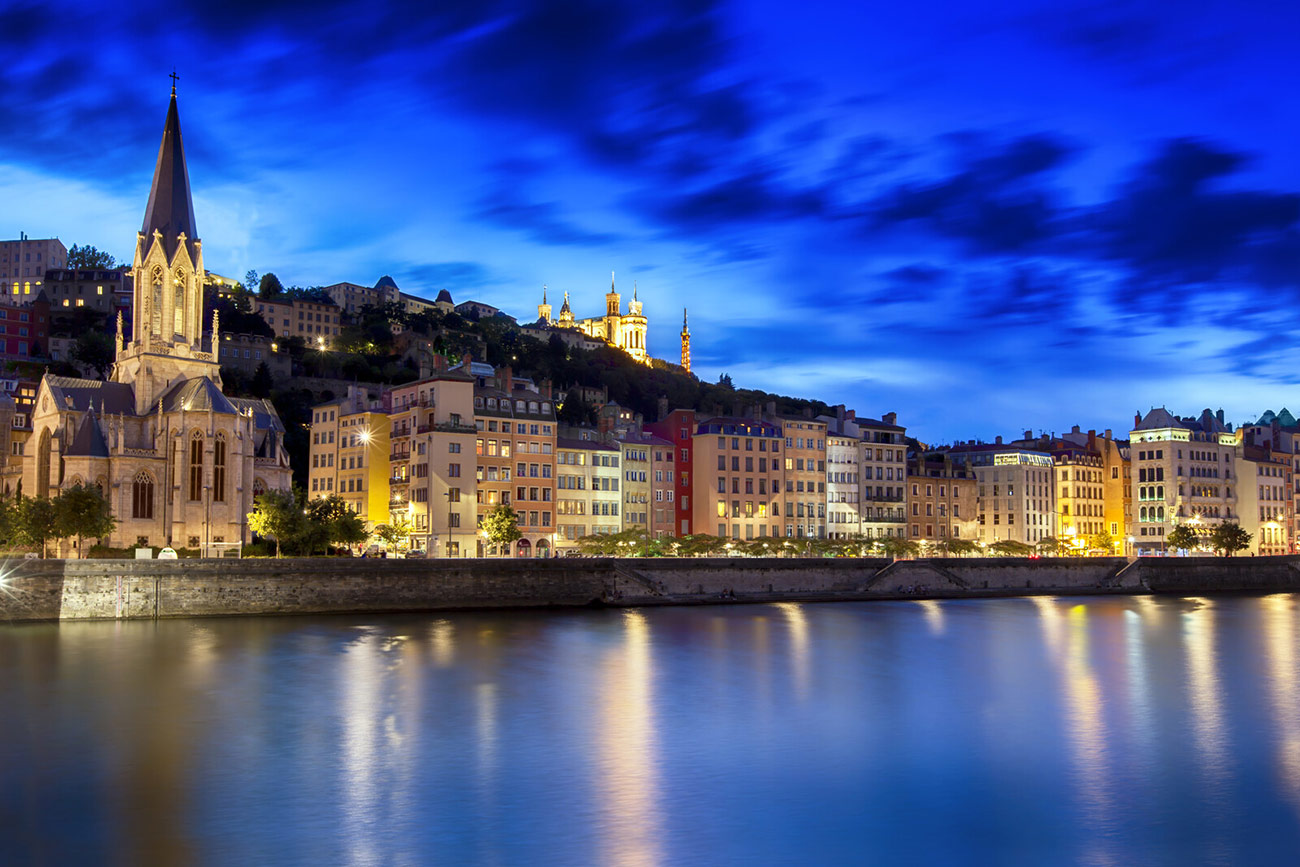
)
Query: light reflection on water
[{"x": 1051, "y": 730}]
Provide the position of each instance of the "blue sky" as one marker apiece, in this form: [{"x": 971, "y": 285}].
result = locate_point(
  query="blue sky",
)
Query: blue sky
[{"x": 986, "y": 217}]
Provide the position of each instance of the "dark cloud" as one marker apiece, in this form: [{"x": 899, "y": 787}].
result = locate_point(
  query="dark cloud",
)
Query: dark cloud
[
  {"x": 996, "y": 202},
  {"x": 447, "y": 275}
]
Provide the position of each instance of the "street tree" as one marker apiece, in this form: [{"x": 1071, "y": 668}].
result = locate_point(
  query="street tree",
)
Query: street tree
[
  {"x": 960, "y": 547},
  {"x": 1010, "y": 548},
  {"x": 395, "y": 534},
  {"x": 36, "y": 522},
  {"x": 277, "y": 516},
  {"x": 501, "y": 527},
  {"x": 1050, "y": 546},
  {"x": 331, "y": 522},
  {"x": 1102, "y": 541},
  {"x": 82, "y": 511},
  {"x": 1228, "y": 538},
  {"x": 892, "y": 546},
  {"x": 1183, "y": 538}
]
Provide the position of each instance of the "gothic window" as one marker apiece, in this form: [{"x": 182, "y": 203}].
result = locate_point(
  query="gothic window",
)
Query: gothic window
[
  {"x": 178, "y": 304},
  {"x": 142, "y": 496},
  {"x": 155, "y": 308},
  {"x": 196, "y": 467},
  {"x": 219, "y": 469},
  {"x": 259, "y": 487}
]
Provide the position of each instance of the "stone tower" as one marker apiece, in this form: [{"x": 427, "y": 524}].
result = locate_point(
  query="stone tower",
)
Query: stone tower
[
  {"x": 613, "y": 313},
  {"x": 686, "y": 343},
  {"x": 168, "y": 272},
  {"x": 544, "y": 309},
  {"x": 634, "y": 329}
]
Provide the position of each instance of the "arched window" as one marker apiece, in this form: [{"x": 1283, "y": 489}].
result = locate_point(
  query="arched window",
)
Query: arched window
[
  {"x": 178, "y": 304},
  {"x": 142, "y": 496},
  {"x": 43, "y": 464},
  {"x": 259, "y": 487},
  {"x": 196, "y": 466},
  {"x": 219, "y": 469},
  {"x": 155, "y": 310}
]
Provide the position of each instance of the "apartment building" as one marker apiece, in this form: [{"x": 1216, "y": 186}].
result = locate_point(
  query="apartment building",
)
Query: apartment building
[
  {"x": 349, "y": 450},
  {"x": 678, "y": 428},
  {"x": 315, "y": 322},
  {"x": 738, "y": 489},
  {"x": 1264, "y": 500},
  {"x": 23, "y": 262},
  {"x": 524, "y": 419},
  {"x": 883, "y": 463},
  {"x": 941, "y": 500},
  {"x": 804, "y": 476},
  {"x": 25, "y": 329},
  {"x": 247, "y": 352},
  {"x": 1015, "y": 490},
  {"x": 1184, "y": 471},
  {"x": 843, "y": 486},
  {"x": 638, "y": 453}
]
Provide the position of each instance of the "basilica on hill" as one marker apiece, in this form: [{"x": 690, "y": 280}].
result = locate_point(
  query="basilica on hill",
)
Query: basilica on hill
[
  {"x": 179, "y": 461},
  {"x": 627, "y": 331}
]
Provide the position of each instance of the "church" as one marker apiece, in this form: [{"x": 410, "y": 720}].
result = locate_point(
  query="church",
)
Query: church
[
  {"x": 626, "y": 331},
  {"x": 179, "y": 461}
]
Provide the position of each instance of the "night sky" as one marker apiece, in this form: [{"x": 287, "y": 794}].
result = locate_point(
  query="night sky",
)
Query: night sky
[{"x": 1027, "y": 215}]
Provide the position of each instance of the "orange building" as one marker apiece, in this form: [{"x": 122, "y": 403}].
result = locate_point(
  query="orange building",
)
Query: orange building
[{"x": 737, "y": 483}]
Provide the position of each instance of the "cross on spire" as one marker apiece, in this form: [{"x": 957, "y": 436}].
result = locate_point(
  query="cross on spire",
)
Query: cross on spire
[{"x": 173, "y": 77}]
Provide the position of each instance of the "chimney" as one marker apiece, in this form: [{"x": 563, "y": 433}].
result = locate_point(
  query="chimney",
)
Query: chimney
[
  {"x": 1219, "y": 415},
  {"x": 807, "y": 412},
  {"x": 1108, "y": 433},
  {"x": 890, "y": 418},
  {"x": 440, "y": 362},
  {"x": 663, "y": 408},
  {"x": 851, "y": 414},
  {"x": 1137, "y": 419},
  {"x": 507, "y": 380},
  {"x": 545, "y": 388},
  {"x": 1092, "y": 439},
  {"x": 839, "y": 412},
  {"x": 1030, "y": 434},
  {"x": 1075, "y": 429},
  {"x": 771, "y": 407},
  {"x": 998, "y": 439}
]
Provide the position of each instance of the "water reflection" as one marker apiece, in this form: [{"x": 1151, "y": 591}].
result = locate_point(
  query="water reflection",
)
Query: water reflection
[
  {"x": 933, "y": 615},
  {"x": 1203, "y": 689},
  {"x": 359, "y": 688},
  {"x": 1279, "y": 638},
  {"x": 630, "y": 823},
  {"x": 800, "y": 659}
]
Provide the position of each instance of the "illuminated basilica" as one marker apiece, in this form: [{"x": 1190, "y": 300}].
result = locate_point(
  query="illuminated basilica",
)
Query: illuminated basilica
[{"x": 626, "y": 331}]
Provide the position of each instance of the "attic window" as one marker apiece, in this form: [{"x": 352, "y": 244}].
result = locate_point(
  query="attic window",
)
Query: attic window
[{"x": 67, "y": 400}]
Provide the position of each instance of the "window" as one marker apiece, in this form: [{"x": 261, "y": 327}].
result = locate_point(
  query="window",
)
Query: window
[
  {"x": 219, "y": 470},
  {"x": 142, "y": 497},
  {"x": 196, "y": 468}
]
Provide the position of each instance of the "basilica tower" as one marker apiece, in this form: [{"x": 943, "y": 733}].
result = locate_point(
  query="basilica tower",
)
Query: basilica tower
[
  {"x": 167, "y": 331},
  {"x": 544, "y": 309}
]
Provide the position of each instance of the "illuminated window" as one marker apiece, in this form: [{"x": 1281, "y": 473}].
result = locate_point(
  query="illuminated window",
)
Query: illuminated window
[
  {"x": 65, "y": 303},
  {"x": 81, "y": 303}
]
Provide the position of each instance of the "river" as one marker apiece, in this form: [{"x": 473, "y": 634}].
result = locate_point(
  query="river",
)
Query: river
[{"x": 1103, "y": 730}]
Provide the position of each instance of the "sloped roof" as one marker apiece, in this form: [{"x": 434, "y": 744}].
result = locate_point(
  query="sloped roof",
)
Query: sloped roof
[
  {"x": 170, "y": 209},
  {"x": 71, "y": 392},
  {"x": 444, "y": 296},
  {"x": 197, "y": 395},
  {"x": 385, "y": 282},
  {"x": 264, "y": 415},
  {"x": 89, "y": 441},
  {"x": 1159, "y": 418}
]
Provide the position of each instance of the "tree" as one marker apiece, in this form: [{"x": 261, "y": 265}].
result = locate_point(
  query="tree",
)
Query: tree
[
  {"x": 251, "y": 281},
  {"x": 893, "y": 546},
  {"x": 332, "y": 522},
  {"x": 395, "y": 534},
  {"x": 1102, "y": 541},
  {"x": 81, "y": 511},
  {"x": 1050, "y": 546},
  {"x": 960, "y": 547},
  {"x": 1228, "y": 538},
  {"x": 501, "y": 527},
  {"x": 277, "y": 515},
  {"x": 1183, "y": 538},
  {"x": 96, "y": 350},
  {"x": 1010, "y": 548},
  {"x": 37, "y": 522},
  {"x": 262, "y": 382},
  {"x": 269, "y": 287},
  {"x": 89, "y": 259}
]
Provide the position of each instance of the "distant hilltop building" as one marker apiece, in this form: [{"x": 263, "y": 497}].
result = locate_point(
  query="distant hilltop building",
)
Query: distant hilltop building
[{"x": 627, "y": 331}]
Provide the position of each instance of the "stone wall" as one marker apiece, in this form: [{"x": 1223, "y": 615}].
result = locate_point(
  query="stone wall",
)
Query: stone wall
[{"x": 130, "y": 589}]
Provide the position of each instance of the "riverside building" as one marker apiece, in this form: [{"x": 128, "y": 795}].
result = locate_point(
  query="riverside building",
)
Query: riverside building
[
  {"x": 1015, "y": 498},
  {"x": 737, "y": 490}
]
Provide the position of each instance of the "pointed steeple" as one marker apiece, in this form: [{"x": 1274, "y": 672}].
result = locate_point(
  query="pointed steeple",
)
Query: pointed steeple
[{"x": 170, "y": 210}]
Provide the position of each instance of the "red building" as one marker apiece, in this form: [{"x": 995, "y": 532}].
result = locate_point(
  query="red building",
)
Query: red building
[
  {"x": 24, "y": 329},
  {"x": 677, "y": 428}
]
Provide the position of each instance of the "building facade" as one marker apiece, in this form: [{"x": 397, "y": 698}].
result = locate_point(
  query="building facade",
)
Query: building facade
[
  {"x": 626, "y": 331},
  {"x": 23, "y": 262},
  {"x": 737, "y": 488}
]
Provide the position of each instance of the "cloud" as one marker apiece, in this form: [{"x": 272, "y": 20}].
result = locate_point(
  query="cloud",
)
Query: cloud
[{"x": 446, "y": 275}]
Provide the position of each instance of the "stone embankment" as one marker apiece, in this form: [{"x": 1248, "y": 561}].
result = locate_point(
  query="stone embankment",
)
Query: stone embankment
[{"x": 134, "y": 589}]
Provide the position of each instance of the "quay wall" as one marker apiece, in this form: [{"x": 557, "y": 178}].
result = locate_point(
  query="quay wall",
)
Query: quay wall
[{"x": 134, "y": 589}]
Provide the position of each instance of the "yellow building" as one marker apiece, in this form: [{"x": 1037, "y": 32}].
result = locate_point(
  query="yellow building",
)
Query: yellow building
[
  {"x": 626, "y": 331},
  {"x": 349, "y": 454}
]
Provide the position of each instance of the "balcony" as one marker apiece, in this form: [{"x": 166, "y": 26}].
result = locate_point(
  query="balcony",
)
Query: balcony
[
  {"x": 399, "y": 456},
  {"x": 424, "y": 428},
  {"x": 450, "y": 427}
]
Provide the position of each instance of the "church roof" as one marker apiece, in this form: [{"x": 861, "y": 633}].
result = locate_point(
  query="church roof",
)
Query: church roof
[
  {"x": 197, "y": 395},
  {"x": 264, "y": 415},
  {"x": 69, "y": 392},
  {"x": 89, "y": 441},
  {"x": 170, "y": 209}
]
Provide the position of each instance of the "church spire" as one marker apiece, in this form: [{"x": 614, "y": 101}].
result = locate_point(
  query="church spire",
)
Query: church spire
[
  {"x": 171, "y": 210},
  {"x": 686, "y": 344}
]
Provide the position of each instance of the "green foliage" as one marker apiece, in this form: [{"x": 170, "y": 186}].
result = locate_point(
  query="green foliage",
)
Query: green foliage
[
  {"x": 1010, "y": 548},
  {"x": 960, "y": 547},
  {"x": 89, "y": 258},
  {"x": 36, "y": 522},
  {"x": 395, "y": 534},
  {"x": 269, "y": 287},
  {"x": 81, "y": 511},
  {"x": 1183, "y": 538},
  {"x": 96, "y": 350},
  {"x": 1102, "y": 541},
  {"x": 1050, "y": 546},
  {"x": 893, "y": 546},
  {"x": 262, "y": 382},
  {"x": 278, "y": 516},
  {"x": 1229, "y": 538},
  {"x": 501, "y": 526},
  {"x": 575, "y": 410}
]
